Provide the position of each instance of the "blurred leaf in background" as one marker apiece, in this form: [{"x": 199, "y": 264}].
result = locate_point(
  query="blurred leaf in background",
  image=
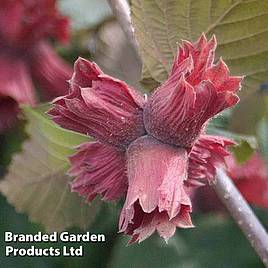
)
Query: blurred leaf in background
[{"x": 36, "y": 182}]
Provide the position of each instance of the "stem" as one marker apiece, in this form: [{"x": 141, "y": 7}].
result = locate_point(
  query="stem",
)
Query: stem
[
  {"x": 121, "y": 11},
  {"x": 243, "y": 214}
]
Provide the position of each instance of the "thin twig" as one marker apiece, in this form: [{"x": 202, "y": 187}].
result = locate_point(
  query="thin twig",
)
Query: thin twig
[
  {"x": 121, "y": 11},
  {"x": 243, "y": 214}
]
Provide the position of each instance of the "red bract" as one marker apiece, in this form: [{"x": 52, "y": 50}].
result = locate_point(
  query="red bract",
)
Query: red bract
[
  {"x": 207, "y": 154},
  {"x": 156, "y": 198},
  {"x": 25, "y": 54},
  {"x": 195, "y": 91},
  {"x": 100, "y": 106},
  {"x": 149, "y": 150},
  {"x": 99, "y": 168}
]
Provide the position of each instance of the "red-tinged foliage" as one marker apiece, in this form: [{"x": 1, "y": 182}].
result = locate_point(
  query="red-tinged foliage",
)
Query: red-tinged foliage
[{"x": 26, "y": 57}]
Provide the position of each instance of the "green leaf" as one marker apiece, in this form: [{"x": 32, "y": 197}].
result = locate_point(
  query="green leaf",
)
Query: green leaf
[
  {"x": 262, "y": 136},
  {"x": 240, "y": 26},
  {"x": 242, "y": 151},
  {"x": 36, "y": 182},
  {"x": 215, "y": 242}
]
